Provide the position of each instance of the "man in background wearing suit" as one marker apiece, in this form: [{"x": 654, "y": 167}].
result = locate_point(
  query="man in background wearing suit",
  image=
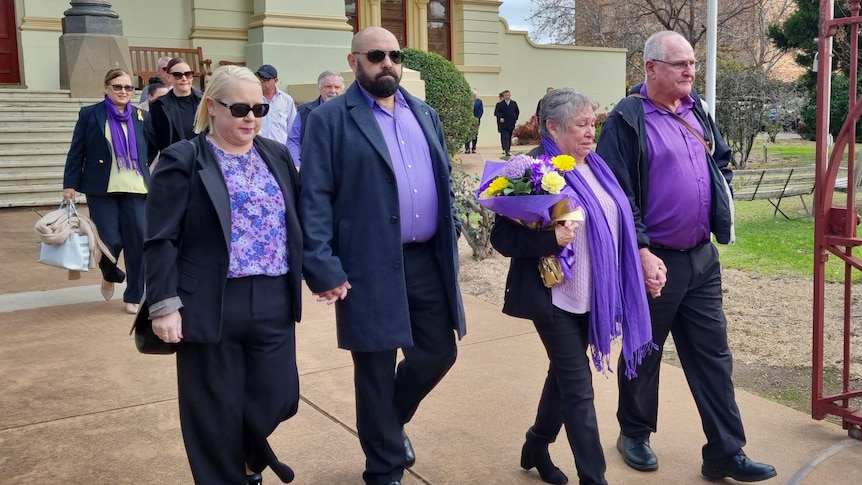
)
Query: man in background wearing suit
[
  {"x": 378, "y": 216},
  {"x": 507, "y": 114}
]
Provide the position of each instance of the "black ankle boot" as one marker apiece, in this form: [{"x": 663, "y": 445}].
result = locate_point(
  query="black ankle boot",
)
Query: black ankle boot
[{"x": 534, "y": 454}]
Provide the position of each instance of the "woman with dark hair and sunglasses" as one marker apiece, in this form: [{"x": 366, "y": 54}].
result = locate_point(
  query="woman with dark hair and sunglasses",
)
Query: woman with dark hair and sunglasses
[
  {"x": 108, "y": 161},
  {"x": 223, "y": 259},
  {"x": 174, "y": 113}
]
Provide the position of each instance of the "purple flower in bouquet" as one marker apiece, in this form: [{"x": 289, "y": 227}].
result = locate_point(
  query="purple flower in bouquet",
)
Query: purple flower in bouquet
[{"x": 517, "y": 166}]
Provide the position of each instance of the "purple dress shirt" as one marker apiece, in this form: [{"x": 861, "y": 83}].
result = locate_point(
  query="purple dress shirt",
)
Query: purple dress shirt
[
  {"x": 677, "y": 209},
  {"x": 258, "y": 234},
  {"x": 414, "y": 173}
]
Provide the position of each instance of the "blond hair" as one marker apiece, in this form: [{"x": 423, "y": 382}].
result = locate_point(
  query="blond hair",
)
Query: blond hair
[{"x": 219, "y": 85}]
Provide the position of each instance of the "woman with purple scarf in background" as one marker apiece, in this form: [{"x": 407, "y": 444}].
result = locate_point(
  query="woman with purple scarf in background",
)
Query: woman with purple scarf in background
[
  {"x": 108, "y": 161},
  {"x": 605, "y": 297}
]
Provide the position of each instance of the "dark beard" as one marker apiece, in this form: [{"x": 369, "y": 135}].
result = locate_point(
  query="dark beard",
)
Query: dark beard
[{"x": 383, "y": 86}]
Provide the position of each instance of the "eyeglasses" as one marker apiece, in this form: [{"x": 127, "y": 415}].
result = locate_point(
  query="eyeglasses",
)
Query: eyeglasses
[
  {"x": 180, "y": 74},
  {"x": 240, "y": 110},
  {"x": 376, "y": 56},
  {"x": 681, "y": 65},
  {"x": 118, "y": 88},
  {"x": 164, "y": 68}
]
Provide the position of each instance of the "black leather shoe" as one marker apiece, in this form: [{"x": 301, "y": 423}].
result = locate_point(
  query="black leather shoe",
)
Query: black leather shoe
[
  {"x": 254, "y": 479},
  {"x": 739, "y": 468},
  {"x": 397, "y": 482},
  {"x": 408, "y": 451},
  {"x": 637, "y": 453}
]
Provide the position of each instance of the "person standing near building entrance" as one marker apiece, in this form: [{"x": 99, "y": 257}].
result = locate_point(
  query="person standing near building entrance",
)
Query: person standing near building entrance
[
  {"x": 282, "y": 110},
  {"x": 381, "y": 234},
  {"x": 478, "y": 111},
  {"x": 669, "y": 157},
  {"x": 507, "y": 114}
]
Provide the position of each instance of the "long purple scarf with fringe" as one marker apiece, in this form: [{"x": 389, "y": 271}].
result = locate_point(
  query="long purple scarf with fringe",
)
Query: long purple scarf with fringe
[
  {"x": 125, "y": 148},
  {"x": 618, "y": 306}
]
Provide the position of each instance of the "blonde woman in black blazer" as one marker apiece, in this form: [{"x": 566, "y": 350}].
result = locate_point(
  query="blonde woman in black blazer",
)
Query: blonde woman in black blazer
[
  {"x": 111, "y": 148},
  {"x": 223, "y": 258}
]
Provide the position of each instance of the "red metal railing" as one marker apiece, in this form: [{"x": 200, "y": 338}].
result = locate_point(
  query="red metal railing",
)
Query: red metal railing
[{"x": 835, "y": 226}]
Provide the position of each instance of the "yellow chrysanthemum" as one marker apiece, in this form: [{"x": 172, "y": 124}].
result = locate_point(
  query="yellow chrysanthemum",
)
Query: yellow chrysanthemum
[
  {"x": 553, "y": 183},
  {"x": 564, "y": 163},
  {"x": 494, "y": 188}
]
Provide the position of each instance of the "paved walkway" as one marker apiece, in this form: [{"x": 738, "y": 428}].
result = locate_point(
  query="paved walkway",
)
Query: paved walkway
[{"x": 80, "y": 405}]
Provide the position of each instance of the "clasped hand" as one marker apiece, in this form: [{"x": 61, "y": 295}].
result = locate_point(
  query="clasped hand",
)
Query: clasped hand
[
  {"x": 335, "y": 294},
  {"x": 655, "y": 272}
]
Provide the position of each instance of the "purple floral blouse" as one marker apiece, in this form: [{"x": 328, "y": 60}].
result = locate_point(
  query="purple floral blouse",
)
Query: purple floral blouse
[{"x": 258, "y": 234}]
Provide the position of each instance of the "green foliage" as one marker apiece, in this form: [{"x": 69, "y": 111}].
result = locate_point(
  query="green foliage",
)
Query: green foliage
[
  {"x": 838, "y": 107},
  {"x": 448, "y": 92},
  {"x": 799, "y": 32},
  {"x": 476, "y": 221}
]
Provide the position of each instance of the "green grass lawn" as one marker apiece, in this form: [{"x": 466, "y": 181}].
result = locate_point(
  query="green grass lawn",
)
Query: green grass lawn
[
  {"x": 772, "y": 244},
  {"x": 775, "y": 245}
]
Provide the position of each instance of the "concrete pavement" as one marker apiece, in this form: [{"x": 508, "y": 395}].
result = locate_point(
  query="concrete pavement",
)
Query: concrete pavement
[{"x": 80, "y": 405}]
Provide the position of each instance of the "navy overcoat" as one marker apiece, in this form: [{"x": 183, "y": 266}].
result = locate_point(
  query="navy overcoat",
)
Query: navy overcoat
[{"x": 350, "y": 217}]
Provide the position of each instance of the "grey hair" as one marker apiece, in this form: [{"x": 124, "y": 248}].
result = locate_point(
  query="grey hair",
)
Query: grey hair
[
  {"x": 325, "y": 74},
  {"x": 560, "y": 105},
  {"x": 654, "y": 46}
]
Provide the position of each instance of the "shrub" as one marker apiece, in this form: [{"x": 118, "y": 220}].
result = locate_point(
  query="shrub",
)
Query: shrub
[
  {"x": 476, "y": 221},
  {"x": 448, "y": 92},
  {"x": 528, "y": 133}
]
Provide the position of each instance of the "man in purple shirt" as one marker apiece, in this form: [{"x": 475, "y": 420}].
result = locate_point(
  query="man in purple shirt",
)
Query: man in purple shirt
[
  {"x": 380, "y": 242},
  {"x": 672, "y": 162}
]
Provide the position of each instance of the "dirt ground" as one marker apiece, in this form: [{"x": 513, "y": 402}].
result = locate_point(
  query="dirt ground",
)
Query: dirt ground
[{"x": 769, "y": 327}]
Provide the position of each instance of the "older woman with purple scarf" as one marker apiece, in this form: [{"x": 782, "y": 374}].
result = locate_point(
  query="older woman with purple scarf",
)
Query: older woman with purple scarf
[
  {"x": 605, "y": 297},
  {"x": 108, "y": 161}
]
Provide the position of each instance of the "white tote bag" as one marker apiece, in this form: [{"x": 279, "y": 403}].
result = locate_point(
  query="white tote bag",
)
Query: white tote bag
[{"x": 72, "y": 254}]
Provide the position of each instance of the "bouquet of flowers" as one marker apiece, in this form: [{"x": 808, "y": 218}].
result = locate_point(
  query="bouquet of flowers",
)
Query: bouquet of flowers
[{"x": 533, "y": 192}]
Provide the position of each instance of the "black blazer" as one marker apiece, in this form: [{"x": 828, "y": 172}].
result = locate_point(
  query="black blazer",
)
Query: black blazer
[
  {"x": 526, "y": 296},
  {"x": 88, "y": 163},
  {"x": 509, "y": 113},
  {"x": 167, "y": 118},
  {"x": 186, "y": 251}
]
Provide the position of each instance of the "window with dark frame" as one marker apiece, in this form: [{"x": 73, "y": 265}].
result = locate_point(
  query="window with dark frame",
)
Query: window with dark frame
[
  {"x": 393, "y": 18},
  {"x": 351, "y": 11}
]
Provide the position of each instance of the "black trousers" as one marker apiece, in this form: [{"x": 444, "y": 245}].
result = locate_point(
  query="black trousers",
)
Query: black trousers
[
  {"x": 691, "y": 309},
  {"x": 386, "y": 397},
  {"x": 568, "y": 397},
  {"x": 475, "y": 139},
  {"x": 506, "y": 139},
  {"x": 119, "y": 218},
  {"x": 233, "y": 394}
]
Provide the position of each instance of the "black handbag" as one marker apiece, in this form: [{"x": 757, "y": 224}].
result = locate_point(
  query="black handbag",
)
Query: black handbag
[{"x": 145, "y": 340}]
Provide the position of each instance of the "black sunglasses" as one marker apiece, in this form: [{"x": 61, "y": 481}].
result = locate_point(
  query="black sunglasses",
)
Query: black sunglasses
[
  {"x": 179, "y": 74},
  {"x": 376, "y": 56},
  {"x": 239, "y": 110},
  {"x": 119, "y": 88}
]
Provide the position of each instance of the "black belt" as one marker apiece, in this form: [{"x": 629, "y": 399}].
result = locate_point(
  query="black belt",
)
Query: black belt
[
  {"x": 413, "y": 245},
  {"x": 668, "y": 248}
]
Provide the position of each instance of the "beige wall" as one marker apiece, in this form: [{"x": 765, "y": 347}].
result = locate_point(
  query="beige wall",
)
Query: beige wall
[
  {"x": 527, "y": 69},
  {"x": 304, "y": 38}
]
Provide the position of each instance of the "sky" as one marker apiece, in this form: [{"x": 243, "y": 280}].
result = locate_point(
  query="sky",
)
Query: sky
[{"x": 516, "y": 13}]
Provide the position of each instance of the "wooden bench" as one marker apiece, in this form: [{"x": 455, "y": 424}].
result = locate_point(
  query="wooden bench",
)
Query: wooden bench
[
  {"x": 145, "y": 60},
  {"x": 774, "y": 184}
]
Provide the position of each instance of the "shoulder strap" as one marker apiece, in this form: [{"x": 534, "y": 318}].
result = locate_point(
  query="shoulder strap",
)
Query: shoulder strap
[{"x": 709, "y": 148}]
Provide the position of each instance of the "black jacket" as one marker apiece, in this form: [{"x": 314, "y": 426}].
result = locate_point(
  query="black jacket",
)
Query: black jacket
[
  {"x": 509, "y": 114},
  {"x": 623, "y": 145},
  {"x": 167, "y": 118}
]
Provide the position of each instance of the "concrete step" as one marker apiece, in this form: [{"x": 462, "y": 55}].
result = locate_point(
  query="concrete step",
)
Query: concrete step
[
  {"x": 34, "y": 143},
  {"x": 42, "y": 133},
  {"x": 64, "y": 119},
  {"x": 35, "y": 101},
  {"x": 6, "y": 93},
  {"x": 14, "y": 112},
  {"x": 30, "y": 179},
  {"x": 32, "y": 198}
]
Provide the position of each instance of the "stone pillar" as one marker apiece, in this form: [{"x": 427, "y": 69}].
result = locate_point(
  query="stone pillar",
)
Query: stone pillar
[{"x": 92, "y": 44}]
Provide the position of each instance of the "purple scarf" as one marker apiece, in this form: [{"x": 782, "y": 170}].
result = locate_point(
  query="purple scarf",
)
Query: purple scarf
[
  {"x": 125, "y": 149},
  {"x": 618, "y": 304}
]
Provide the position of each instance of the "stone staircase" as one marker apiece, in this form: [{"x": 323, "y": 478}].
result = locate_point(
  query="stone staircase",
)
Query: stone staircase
[{"x": 35, "y": 134}]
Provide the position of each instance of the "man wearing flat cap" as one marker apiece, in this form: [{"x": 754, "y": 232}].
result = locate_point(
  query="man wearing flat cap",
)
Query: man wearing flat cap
[{"x": 282, "y": 110}]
